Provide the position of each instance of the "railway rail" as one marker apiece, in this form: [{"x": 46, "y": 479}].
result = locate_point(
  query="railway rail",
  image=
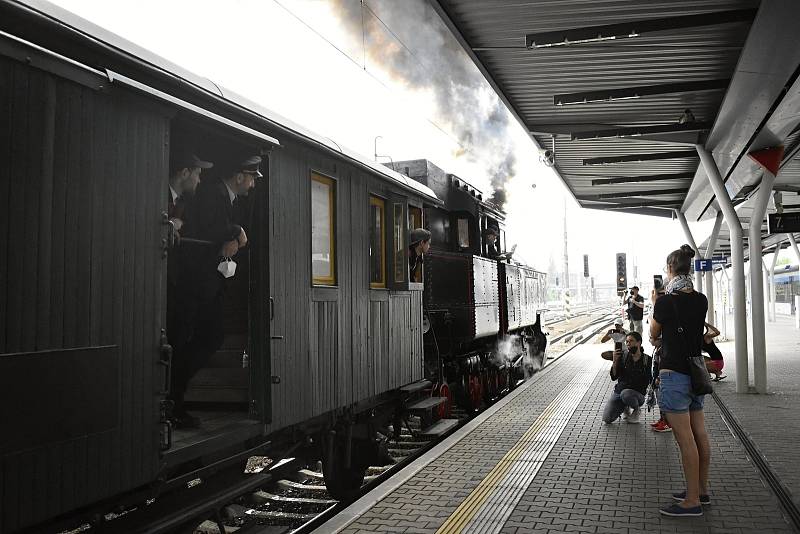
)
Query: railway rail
[{"x": 289, "y": 496}]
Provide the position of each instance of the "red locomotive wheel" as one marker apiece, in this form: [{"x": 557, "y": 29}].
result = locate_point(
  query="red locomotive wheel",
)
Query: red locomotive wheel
[{"x": 445, "y": 407}]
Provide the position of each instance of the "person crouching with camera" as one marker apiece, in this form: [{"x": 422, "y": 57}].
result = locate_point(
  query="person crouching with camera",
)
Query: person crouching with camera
[{"x": 633, "y": 374}]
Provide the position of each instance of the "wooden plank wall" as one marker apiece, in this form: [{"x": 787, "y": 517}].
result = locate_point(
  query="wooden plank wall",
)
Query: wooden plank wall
[
  {"x": 341, "y": 344},
  {"x": 81, "y": 188}
]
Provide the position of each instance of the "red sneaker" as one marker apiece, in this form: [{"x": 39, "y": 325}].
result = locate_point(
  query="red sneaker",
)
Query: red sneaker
[{"x": 663, "y": 426}]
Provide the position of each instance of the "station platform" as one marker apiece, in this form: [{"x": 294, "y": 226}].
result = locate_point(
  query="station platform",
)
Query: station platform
[{"x": 542, "y": 461}]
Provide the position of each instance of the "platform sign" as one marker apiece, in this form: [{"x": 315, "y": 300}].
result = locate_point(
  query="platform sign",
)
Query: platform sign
[
  {"x": 586, "y": 266},
  {"x": 783, "y": 223},
  {"x": 704, "y": 265}
]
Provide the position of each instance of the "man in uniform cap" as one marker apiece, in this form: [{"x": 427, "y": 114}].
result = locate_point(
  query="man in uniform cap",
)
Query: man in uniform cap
[
  {"x": 419, "y": 240},
  {"x": 490, "y": 235},
  {"x": 184, "y": 177},
  {"x": 199, "y": 332}
]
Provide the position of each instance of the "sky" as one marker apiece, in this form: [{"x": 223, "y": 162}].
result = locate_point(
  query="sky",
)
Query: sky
[{"x": 383, "y": 77}]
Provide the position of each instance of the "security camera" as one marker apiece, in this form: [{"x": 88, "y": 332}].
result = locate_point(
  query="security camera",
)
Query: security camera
[{"x": 547, "y": 157}]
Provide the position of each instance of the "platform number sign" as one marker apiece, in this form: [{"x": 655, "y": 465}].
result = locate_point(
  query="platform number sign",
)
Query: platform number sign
[
  {"x": 622, "y": 272},
  {"x": 783, "y": 223},
  {"x": 586, "y": 266}
]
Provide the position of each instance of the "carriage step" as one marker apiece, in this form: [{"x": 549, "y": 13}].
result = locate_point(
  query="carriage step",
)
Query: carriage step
[
  {"x": 415, "y": 387},
  {"x": 440, "y": 428},
  {"x": 426, "y": 404}
]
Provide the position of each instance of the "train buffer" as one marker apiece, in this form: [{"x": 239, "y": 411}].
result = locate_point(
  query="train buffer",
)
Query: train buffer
[{"x": 541, "y": 460}]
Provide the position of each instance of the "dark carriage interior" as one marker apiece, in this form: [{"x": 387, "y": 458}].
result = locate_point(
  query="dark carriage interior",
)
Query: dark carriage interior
[{"x": 219, "y": 393}]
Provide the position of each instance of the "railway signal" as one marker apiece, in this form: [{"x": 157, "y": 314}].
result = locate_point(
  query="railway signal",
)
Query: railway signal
[{"x": 622, "y": 272}]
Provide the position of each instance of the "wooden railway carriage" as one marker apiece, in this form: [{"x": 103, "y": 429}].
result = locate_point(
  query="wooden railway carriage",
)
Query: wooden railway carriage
[
  {"x": 321, "y": 302},
  {"x": 484, "y": 315}
]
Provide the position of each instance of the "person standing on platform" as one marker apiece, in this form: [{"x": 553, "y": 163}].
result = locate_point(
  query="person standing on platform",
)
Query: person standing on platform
[
  {"x": 198, "y": 331},
  {"x": 715, "y": 362},
  {"x": 678, "y": 318},
  {"x": 633, "y": 375},
  {"x": 419, "y": 243},
  {"x": 635, "y": 304}
]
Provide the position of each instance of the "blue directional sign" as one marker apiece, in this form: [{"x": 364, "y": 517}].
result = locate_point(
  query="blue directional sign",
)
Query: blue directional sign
[
  {"x": 704, "y": 265},
  {"x": 720, "y": 260}
]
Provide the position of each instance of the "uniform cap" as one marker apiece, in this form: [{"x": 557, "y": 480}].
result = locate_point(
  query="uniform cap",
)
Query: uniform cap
[
  {"x": 251, "y": 165},
  {"x": 187, "y": 160},
  {"x": 418, "y": 234}
]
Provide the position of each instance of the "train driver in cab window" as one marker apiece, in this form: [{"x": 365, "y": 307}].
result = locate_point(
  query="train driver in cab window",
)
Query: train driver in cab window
[
  {"x": 490, "y": 235},
  {"x": 419, "y": 242}
]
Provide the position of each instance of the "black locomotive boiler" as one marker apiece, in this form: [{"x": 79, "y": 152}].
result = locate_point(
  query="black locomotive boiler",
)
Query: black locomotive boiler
[{"x": 483, "y": 313}]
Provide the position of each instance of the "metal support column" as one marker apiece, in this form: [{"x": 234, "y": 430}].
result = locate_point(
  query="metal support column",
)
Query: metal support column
[
  {"x": 772, "y": 292},
  {"x": 709, "y": 275},
  {"x": 757, "y": 282},
  {"x": 737, "y": 266},
  {"x": 698, "y": 275}
]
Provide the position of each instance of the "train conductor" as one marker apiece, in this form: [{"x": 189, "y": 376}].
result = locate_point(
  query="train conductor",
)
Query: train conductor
[
  {"x": 183, "y": 181},
  {"x": 198, "y": 332}
]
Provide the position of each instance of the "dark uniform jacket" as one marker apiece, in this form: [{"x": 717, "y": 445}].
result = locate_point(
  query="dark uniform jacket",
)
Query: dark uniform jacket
[{"x": 210, "y": 217}]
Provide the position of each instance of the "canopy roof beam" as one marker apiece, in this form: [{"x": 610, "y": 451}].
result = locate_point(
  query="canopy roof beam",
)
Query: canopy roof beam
[
  {"x": 645, "y": 178},
  {"x": 640, "y": 193},
  {"x": 628, "y": 93},
  {"x": 636, "y": 158},
  {"x": 634, "y": 28},
  {"x": 637, "y": 131}
]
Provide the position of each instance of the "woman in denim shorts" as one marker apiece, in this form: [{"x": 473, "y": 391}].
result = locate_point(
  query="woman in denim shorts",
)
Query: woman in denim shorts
[{"x": 683, "y": 306}]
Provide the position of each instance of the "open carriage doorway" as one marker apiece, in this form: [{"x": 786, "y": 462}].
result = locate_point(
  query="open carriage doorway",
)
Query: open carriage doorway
[{"x": 216, "y": 319}]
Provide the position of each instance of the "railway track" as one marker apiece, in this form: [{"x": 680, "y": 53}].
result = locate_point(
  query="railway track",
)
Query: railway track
[{"x": 292, "y": 497}]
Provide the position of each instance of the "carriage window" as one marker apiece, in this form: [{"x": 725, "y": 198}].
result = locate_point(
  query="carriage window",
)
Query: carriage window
[
  {"x": 377, "y": 243},
  {"x": 400, "y": 261},
  {"x": 414, "y": 217},
  {"x": 463, "y": 233},
  {"x": 323, "y": 237}
]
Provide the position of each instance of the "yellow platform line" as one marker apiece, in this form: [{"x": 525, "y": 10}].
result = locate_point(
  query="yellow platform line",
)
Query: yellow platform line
[{"x": 470, "y": 506}]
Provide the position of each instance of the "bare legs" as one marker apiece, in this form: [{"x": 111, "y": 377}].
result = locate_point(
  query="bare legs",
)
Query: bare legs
[{"x": 692, "y": 438}]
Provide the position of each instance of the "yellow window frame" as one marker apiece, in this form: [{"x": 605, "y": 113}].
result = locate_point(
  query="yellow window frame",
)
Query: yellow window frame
[
  {"x": 331, "y": 183},
  {"x": 381, "y": 205}
]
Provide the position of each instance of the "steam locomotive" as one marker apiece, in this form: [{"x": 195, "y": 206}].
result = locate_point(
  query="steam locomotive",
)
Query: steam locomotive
[
  {"x": 328, "y": 340},
  {"x": 483, "y": 315}
]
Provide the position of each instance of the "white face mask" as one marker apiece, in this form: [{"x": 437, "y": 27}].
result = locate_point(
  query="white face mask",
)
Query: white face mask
[{"x": 227, "y": 267}]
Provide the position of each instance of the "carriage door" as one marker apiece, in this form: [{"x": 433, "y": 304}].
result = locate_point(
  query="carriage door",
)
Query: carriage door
[{"x": 262, "y": 305}]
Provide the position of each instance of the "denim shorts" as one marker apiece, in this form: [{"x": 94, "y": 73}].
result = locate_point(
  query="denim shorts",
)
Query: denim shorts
[{"x": 676, "y": 393}]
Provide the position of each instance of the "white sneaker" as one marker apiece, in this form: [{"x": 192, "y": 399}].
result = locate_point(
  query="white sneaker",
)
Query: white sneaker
[
  {"x": 633, "y": 418},
  {"x": 625, "y": 413}
]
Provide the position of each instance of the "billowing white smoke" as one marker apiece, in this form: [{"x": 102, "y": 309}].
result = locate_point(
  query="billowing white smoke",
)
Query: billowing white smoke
[{"x": 406, "y": 40}]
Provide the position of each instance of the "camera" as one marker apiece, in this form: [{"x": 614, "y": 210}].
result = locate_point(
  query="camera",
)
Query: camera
[
  {"x": 658, "y": 283},
  {"x": 547, "y": 157}
]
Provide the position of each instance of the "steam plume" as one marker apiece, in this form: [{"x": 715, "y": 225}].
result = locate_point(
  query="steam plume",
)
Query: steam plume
[{"x": 406, "y": 41}]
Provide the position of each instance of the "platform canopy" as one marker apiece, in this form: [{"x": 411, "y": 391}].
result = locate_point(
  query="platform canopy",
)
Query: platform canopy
[{"x": 622, "y": 91}]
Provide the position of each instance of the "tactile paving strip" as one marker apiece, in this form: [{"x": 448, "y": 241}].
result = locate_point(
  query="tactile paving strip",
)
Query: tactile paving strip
[{"x": 490, "y": 504}]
